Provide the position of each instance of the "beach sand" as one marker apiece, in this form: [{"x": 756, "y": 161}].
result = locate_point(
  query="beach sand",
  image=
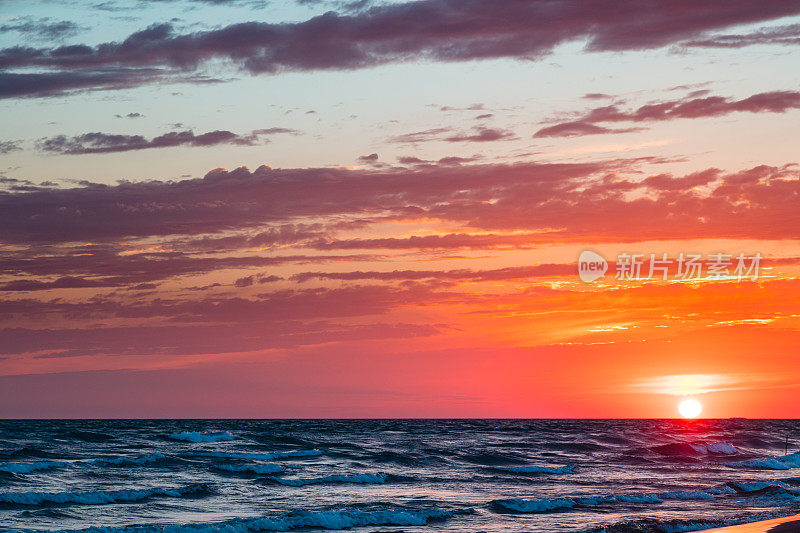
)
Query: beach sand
[{"x": 789, "y": 524}]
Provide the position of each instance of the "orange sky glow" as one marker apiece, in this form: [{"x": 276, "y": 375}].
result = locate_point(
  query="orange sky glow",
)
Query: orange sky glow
[{"x": 308, "y": 239}]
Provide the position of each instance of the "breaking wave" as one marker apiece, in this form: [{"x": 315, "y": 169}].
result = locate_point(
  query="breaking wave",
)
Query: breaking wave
[
  {"x": 330, "y": 520},
  {"x": 784, "y": 462},
  {"x": 519, "y": 505},
  {"x": 97, "y": 497}
]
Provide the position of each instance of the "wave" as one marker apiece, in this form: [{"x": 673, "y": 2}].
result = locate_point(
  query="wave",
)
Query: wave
[
  {"x": 406, "y": 459},
  {"x": 519, "y": 505},
  {"x": 329, "y": 520},
  {"x": 492, "y": 459},
  {"x": 268, "y": 468},
  {"x": 686, "y": 495},
  {"x": 685, "y": 448},
  {"x": 130, "y": 461},
  {"x": 201, "y": 436},
  {"x": 538, "y": 469},
  {"x": 654, "y": 525},
  {"x": 90, "y": 436},
  {"x": 269, "y": 456},
  {"x": 97, "y": 497},
  {"x": 783, "y": 462},
  {"x": 378, "y": 478},
  {"x": 26, "y": 468},
  {"x": 29, "y": 452}
]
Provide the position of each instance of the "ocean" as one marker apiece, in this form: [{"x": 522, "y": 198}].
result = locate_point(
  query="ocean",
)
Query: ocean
[{"x": 493, "y": 476}]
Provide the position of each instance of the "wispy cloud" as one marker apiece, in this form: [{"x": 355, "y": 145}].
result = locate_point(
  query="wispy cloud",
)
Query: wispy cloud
[{"x": 694, "y": 384}]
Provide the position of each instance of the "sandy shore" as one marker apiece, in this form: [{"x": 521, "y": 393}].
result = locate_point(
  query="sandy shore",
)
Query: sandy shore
[{"x": 789, "y": 524}]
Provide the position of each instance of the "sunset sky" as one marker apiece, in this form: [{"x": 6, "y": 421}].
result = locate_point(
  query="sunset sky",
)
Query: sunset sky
[{"x": 245, "y": 208}]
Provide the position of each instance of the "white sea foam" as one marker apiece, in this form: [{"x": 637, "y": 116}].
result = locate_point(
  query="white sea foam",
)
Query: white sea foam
[
  {"x": 783, "y": 462},
  {"x": 722, "y": 448},
  {"x": 719, "y": 448}
]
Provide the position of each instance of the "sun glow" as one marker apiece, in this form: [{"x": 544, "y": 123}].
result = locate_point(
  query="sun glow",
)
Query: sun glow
[{"x": 690, "y": 408}]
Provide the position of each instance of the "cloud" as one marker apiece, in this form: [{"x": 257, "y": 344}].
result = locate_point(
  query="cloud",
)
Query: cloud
[
  {"x": 556, "y": 200},
  {"x": 43, "y": 28},
  {"x": 420, "y": 136},
  {"x": 576, "y": 129},
  {"x": 509, "y": 273},
  {"x": 100, "y": 143},
  {"x": 433, "y": 30},
  {"x": 371, "y": 158},
  {"x": 689, "y": 384},
  {"x": 195, "y": 339},
  {"x": 787, "y": 35},
  {"x": 244, "y": 282},
  {"x": 40, "y": 84},
  {"x": 704, "y": 107},
  {"x": 482, "y": 135},
  {"x": 7, "y": 147}
]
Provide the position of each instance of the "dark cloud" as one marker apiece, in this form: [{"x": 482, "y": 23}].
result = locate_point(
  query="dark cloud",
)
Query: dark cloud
[
  {"x": 36, "y": 84},
  {"x": 244, "y": 282},
  {"x": 9, "y": 146},
  {"x": 482, "y": 135},
  {"x": 578, "y": 128},
  {"x": 690, "y": 107},
  {"x": 194, "y": 339},
  {"x": 43, "y": 28},
  {"x": 99, "y": 143},
  {"x": 272, "y": 307},
  {"x": 99, "y": 267},
  {"x": 597, "y": 96},
  {"x": 440, "y": 134},
  {"x": 420, "y": 136},
  {"x": 778, "y": 35},
  {"x": 499, "y": 274},
  {"x": 371, "y": 158},
  {"x": 486, "y": 196},
  {"x": 435, "y": 30}
]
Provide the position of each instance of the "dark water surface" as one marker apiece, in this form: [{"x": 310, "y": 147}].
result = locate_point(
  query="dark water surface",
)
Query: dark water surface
[{"x": 237, "y": 476}]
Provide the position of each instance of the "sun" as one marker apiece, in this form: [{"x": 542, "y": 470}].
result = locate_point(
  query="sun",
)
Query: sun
[{"x": 690, "y": 408}]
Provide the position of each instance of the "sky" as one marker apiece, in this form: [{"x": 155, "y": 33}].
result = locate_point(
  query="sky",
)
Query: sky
[{"x": 246, "y": 208}]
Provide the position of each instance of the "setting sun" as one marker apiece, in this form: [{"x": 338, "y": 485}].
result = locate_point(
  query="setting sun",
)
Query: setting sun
[{"x": 690, "y": 408}]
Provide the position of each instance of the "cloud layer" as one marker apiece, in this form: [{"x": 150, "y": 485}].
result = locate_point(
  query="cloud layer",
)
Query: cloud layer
[{"x": 434, "y": 30}]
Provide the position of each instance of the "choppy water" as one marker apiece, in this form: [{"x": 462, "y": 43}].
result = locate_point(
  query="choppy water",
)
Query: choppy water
[{"x": 395, "y": 475}]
